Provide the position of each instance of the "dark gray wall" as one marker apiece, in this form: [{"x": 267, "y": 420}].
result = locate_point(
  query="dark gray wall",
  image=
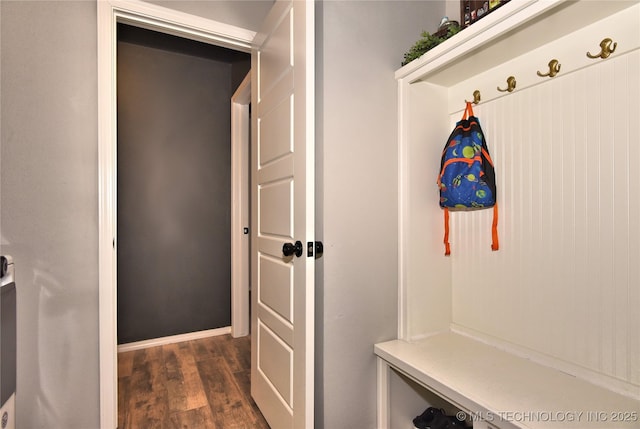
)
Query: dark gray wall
[{"x": 174, "y": 181}]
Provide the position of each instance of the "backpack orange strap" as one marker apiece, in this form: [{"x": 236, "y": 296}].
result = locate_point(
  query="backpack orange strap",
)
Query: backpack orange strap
[
  {"x": 495, "y": 245},
  {"x": 468, "y": 111},
  {"x": 494, "y": 229},
  {"x": 447, "y": 248}
]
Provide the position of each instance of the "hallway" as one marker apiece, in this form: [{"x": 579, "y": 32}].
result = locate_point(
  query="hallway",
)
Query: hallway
[{"x": 197, "y": 384}]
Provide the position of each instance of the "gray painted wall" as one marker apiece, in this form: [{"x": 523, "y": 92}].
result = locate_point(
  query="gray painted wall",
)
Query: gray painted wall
[
  {"x": 49, "y": 173},
  {"x": 360, "y": 45},
  {"x": 49, "y": 207},
  {"x": 241, "y": 13},
  {"x": 174, "y": 191}
]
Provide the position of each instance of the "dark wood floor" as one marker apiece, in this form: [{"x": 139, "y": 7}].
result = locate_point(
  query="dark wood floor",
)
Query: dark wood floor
[{"x": 198, "y": 384}]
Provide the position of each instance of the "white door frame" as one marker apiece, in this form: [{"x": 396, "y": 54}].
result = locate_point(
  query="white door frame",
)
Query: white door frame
[
  {"x": 240, "y": 144},
  {"x": 146, "y": 15}
]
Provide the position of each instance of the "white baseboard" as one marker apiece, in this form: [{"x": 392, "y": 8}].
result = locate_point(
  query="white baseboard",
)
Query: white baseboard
[{"x": 154, "y": 342}]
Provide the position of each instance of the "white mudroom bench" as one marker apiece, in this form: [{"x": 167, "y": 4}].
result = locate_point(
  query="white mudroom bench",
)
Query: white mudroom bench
[
  {"x": 545, "y": 332},
  {"x": 494, "y": 388}
]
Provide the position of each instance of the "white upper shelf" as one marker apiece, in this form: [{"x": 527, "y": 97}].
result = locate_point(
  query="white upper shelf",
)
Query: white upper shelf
[{"x": 512, "y": 30}]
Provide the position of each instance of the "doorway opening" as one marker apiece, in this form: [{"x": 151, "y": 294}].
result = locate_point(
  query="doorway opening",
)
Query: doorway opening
[
  {"x": 174, "y": 188},
  {"x": 156, "y": 18}
]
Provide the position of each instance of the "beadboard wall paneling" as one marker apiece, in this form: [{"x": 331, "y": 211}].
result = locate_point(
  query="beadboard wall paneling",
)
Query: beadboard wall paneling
[{"x": 566, "y": 280}]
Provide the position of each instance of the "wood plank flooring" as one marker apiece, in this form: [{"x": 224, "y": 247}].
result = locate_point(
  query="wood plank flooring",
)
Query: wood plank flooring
[{"x": 200, "y": 384}]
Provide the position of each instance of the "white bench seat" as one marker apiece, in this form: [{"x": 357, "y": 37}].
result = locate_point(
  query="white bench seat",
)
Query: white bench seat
[{"x": 499, "y": 389}]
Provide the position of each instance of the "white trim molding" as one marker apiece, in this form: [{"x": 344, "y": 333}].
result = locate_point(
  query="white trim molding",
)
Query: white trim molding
[
  {"x": 240, "y": 196},
  {"x": 172, "y": 339},
  {"x": 154, "y": 17},
  {"x": 146, "y": 15}
]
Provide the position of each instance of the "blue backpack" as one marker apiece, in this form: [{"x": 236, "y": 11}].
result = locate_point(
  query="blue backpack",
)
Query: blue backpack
[{"x": 467, "y": 178}]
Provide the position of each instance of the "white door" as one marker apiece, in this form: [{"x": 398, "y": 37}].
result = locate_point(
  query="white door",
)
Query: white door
[{"x": 282, "y": 185}]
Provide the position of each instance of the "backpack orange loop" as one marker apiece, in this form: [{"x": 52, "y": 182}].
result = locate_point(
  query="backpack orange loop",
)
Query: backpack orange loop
[
  {"x": 447, "y": 248},
  {"x": 494, "y": 229}
]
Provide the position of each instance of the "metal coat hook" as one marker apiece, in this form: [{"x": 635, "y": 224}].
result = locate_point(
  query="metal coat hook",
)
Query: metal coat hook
[
  {"x": 554, "y": 69},
  {"x": 607, "y": 47},
  {"x": 511, "y": 85},
  {"x": 476, "y": 97}
]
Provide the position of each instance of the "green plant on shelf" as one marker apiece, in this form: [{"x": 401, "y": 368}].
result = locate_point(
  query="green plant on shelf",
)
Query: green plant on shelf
[{"x": 428, "y": 42}]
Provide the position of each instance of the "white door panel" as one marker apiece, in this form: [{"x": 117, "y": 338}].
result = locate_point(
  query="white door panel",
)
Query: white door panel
[
  {"x": 276, "y": 53},
  {"x": 275, "y": 171},
  {"x": 275, "y": 362},
  {"x": 276, "y": 222},
  {"x": 275, "y": 126},
  {"x": 283, "y": 212},
  {"x": 270, "y": 246},
  {"x": 276, "y": 323},
  {"x": 276, "y": 293}
]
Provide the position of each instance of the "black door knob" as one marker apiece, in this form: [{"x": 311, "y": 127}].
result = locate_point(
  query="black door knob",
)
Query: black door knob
[
  {"x": 289, "y": 249},
  {"x": 4, "y": 266}
]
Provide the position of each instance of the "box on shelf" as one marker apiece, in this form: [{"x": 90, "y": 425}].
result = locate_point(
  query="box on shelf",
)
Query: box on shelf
[{"x": 473, "y": 10}]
